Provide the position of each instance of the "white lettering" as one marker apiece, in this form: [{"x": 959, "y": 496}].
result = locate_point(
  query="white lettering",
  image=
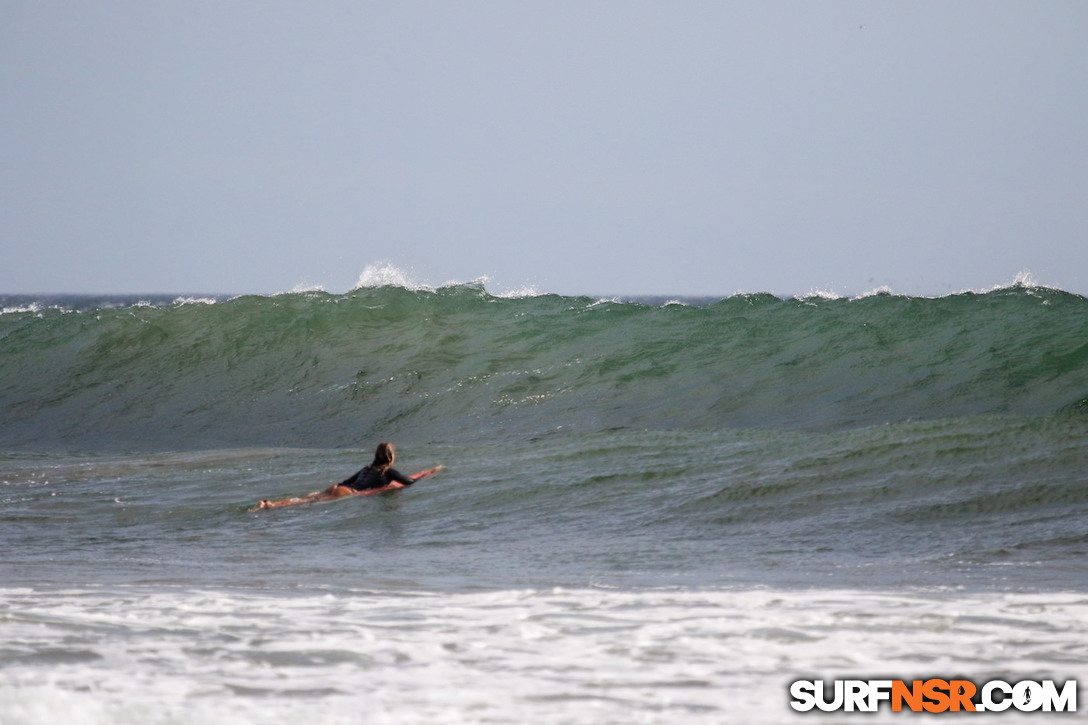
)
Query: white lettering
[
  {"x": 856, "y": 695},
  {"x": 1027, "y": 696},
  {"x": 1065, "y": 701},
  {"x": 994, "y": 696},
  {"x": 804, "y": 695},
  {"x": 879, "y": 690},
  {"x": 821, "y": 698},
  {"x": 988, "y": 697}
]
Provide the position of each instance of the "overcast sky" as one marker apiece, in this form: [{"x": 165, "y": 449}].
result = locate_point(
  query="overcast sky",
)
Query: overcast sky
[{"x": 687, "y": 148}]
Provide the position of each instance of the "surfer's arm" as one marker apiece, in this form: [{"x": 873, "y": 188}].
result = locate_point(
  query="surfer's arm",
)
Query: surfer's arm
[{"x": 395, "y": 475}]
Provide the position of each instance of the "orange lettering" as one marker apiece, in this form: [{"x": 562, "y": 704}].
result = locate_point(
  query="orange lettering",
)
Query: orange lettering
[
  {"x": 934, "y": 691},
  {"x": 961, "y": 692},
  {"x": 912, "y": 695}
]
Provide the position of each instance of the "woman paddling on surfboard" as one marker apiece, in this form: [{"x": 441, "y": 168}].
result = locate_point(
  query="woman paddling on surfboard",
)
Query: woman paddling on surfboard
[{"x": 379, "y": 474}]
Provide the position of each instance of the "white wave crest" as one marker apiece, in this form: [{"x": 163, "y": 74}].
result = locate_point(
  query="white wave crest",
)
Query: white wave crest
[
  {"x": 32, "y": 307},
  {"x": 1024, "y": 280},
  {"x": 821, "y": 294},
  {"x": 876, "y": 292},
  {"x": 385, "y": 274}
]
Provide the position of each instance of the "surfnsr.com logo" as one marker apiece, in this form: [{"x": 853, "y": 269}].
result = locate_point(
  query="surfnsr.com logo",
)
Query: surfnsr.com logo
[{"x": 933, "y": 695}]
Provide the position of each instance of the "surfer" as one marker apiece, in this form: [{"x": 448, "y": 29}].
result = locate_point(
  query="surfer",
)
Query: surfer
[{"x": 379, "y": 474}]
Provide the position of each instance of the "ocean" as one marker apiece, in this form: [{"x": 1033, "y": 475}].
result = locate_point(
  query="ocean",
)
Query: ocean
[{"x": 652, "y": 510}]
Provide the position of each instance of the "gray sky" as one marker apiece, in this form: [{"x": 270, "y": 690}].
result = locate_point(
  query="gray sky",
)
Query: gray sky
[{"x": 613, "y": 147}]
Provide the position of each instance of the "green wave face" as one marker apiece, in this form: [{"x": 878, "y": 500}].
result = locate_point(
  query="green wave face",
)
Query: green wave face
[{"x": 459, "y": 364}]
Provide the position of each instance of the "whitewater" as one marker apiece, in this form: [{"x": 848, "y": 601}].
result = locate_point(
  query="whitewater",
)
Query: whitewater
[{"x": 652, "y": 510}]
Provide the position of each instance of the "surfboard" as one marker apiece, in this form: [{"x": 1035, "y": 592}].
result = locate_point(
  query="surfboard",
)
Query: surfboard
[{"x": 329, "y": 495}]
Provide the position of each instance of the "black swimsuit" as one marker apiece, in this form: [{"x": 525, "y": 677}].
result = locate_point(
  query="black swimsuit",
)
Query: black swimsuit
[{"x": 369, "y": 478}]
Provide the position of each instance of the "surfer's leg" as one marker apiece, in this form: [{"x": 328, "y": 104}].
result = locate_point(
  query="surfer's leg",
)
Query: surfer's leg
[
  {"x": 336, "y": 491},
  {"x": 330, "y": 493},
  {"x": 266, "y": 504}
]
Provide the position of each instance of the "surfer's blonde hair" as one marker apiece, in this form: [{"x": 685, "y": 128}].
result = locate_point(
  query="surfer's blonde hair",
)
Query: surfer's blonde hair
[{"x": 383, "y": 457}]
